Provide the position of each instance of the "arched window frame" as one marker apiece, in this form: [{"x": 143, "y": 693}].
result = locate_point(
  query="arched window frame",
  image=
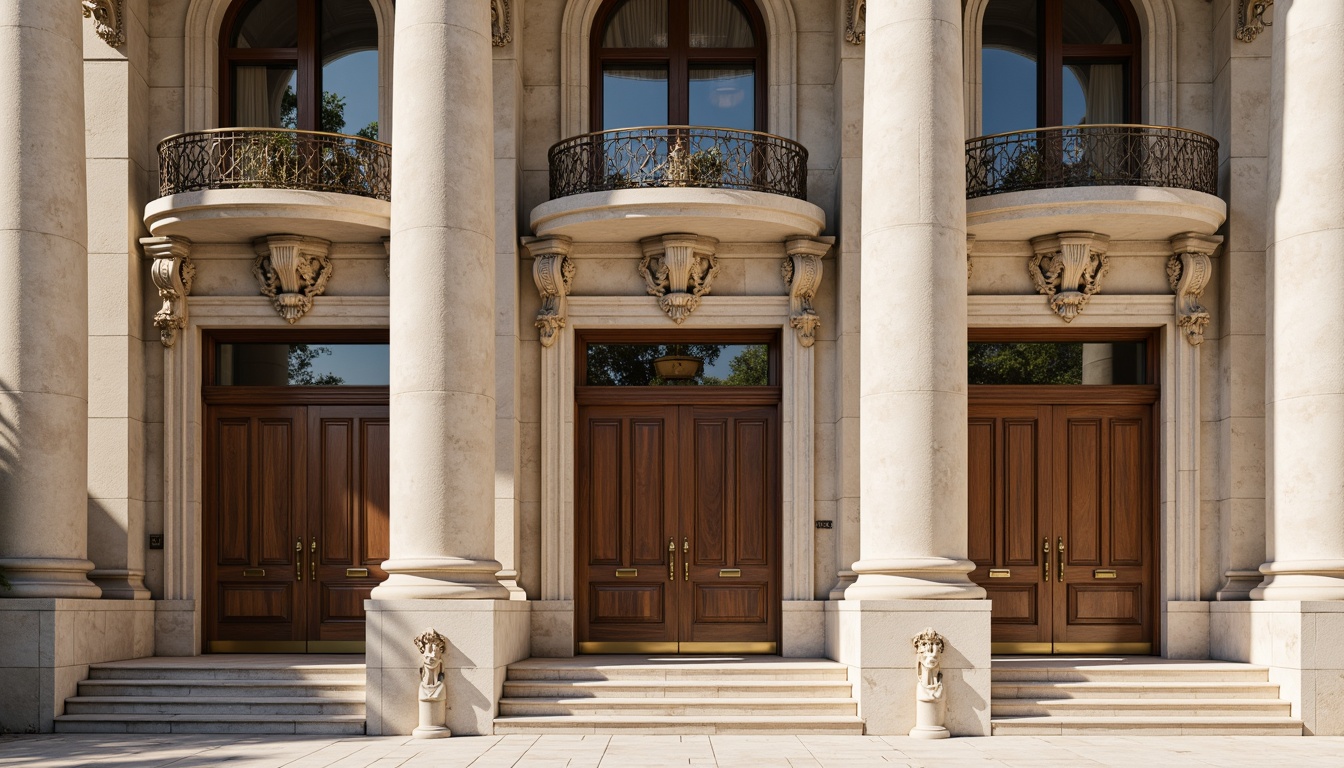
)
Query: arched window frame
[{"x": 679, "y": 59}]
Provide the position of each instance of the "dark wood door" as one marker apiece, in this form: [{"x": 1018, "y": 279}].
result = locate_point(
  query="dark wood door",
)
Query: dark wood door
[
  {"x": 1062, "y": 525},
  {"x": 677, "y": 527},
  {"x": 296, "y": 525}
]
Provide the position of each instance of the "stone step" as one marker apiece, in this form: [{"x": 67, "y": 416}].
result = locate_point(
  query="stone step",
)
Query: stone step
[
  {"x": 673, "y": 707},
  {"x": 1175, "y": 708},
  {"x": 342, "y": 725},
  {"x": 1189, "y": 689},
  {"x": 684, "y": 724},
  {"x": 226, "y": 688},
  {"x": 277, "y": 706},
  {"x": 1146, "y": 726},
  {"x": 637, "y": 668},
  {"x": 207, "y": 670},
  {"x": 701, "y": 689},
  {"x": 1127, "y": 672}
]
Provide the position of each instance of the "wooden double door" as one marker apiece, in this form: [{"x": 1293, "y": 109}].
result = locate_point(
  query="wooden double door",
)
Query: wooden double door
[
  {"x": 677, "y": 528},
  {"x": 296, "y": 525},
  {"x": 1061, "y": 523}
]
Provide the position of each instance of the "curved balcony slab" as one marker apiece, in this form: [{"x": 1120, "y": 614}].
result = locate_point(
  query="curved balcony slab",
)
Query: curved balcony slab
[
  {"x": 237, "y": 215},
  {"x": 1121, "y": 212},
  {"x": 628, "y": 215}
]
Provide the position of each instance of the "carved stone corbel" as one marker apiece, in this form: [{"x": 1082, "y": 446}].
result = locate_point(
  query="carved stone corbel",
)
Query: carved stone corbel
[
  {"x": 108, "y": 19},
  {"x": 970, "y": 267},
  {"x": 678, "y": 269},
  {"x": 172, "y": 272},
  {"x": 1251, "y": 19},
  {"x": 1068, "y": 268},
  {"x": 802, "y": 276},
  {"x": 1188, "y": 271},
  {"x": 387, "y": 250},
  {"x": 553, "y": 272},
  {"x": 292, "y": 271},
  {"x": 856, "y": 21},
  {"x": 501, "y": 32}
]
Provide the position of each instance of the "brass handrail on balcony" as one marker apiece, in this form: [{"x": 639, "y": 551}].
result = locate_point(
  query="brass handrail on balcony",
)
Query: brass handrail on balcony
[
  {"x": 678, "y": 156},
  {"x": 275, "y": 158},
  {"x": 1092, "y": 156}
]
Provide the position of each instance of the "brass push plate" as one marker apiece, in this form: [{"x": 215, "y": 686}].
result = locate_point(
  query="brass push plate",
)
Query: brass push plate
[
  {"x": 627, "y": 573},
  {"x": 999, "y": 573},
  {"x": 254, "y": 572},
  {"x": 1103, "y": 573},
  {"x": 730, "y": 573},
  {"x": 356, "y": 573}
]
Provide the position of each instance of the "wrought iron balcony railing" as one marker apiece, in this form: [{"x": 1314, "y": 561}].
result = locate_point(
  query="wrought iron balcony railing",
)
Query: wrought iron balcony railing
[
  {"x": 1092, "y": 156},
  {"x": 274, "y": 158},
  {"x": 678, "y": 156}
]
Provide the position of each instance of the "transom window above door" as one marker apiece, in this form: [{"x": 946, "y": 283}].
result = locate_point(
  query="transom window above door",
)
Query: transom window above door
[{"x": 679, "y": 62}]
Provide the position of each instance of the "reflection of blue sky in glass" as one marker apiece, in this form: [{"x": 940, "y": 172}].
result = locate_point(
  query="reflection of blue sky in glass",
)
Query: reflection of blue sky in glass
[
  {"x": 1009, "y": 92},
  {"x": 723, "y": 98},
  {"x": 355, "y": 77},
  {"x": 355, "y": 364},
  {"x": 632, "y": 98},
  {"x": 1075, "y": 100}
]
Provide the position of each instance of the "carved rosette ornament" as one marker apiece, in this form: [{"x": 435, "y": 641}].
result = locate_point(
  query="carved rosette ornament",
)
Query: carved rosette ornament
[
  {"x": 801, "y": 269},
  {"x": 108, "y": 20},
  {"x": 856, "y": 21},
  {"x": 1068, "y": 268},
  {"x": 501, "y": 32},
  {"x": 1188, "y": 271},
  {"x": 292, "y": 271},
  {"x": 678, "y": 269},
  {"x": 172, "y": 272},
  {"x": 553, "y": 271}
]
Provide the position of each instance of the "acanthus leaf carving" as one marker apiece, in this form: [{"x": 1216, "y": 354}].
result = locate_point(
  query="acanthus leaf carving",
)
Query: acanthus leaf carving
[
  {"x": 108, "y": 19},
  {"x": 1068, "y": 268},
  {"x": 501, "y": 26},
  {"x": 292, "y": 271},
  {"x": 856, "y": 21},
  {"x": 1188, "y": 272},
  {"x": 553, "y": 272},
  {"x": 801, "y": 270},
  {"x": 678, "y": 269},
  {"x": 1251, "y": 19},
  {"x": 172, "y": 272}
]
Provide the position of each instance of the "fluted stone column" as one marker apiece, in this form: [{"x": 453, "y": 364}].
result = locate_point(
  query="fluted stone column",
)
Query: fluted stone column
[
  {"x": 43, "y": 303},
  {"x": 442, "y": 332},
  {"x": 1305, "y": 386},
  {"x": 912, "y": 404}
]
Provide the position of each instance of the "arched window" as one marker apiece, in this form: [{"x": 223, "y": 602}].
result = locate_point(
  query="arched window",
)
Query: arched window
[
  {"x": 678, "y": 62},
  {"x": 305, "y": 64},
  {"x": 1058, "y": 62}
]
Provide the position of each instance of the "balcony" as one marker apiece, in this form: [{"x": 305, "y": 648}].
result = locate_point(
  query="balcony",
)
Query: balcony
[
  {"x": 627, "y": 184},
  {"x": 1131, "y": 182},
  {"x": 236, "y": 184}
]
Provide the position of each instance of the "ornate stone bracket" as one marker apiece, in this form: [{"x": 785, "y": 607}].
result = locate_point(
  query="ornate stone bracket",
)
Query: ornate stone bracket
[
  {"x": 292, "y": 271},
  {"x": 970, "y": 267},
  {"x": 1251, "y": 19},
  {"x": 1068, "y": 268},
  {"x": 387, "y": 250},
  {"x": 856, "y": 21},
  {"x": 553, "y": 271},
  {"x": 678, "y": 269},
  {"x": 108, "y": 19},
  {"x": 1188, "y": 271},
  {"x": 801, "y": 269},
  {"x": 501, "y": 31},
  {"x": 172, "y": 273}
]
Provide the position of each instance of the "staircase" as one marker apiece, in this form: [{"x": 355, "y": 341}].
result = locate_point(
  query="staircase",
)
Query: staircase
[
  {"x": 678, "y": 694},
  {"x": 253, "y": 693},
  {"x": 1135, "y": 696}
]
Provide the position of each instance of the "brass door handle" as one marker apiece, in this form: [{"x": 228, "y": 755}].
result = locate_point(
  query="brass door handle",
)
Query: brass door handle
[
  {"x": 312, "y": 561},
  {"x": 1045, "y": 558},
  {"x": 672, "y": 559},
  {"x": 298, "y": 560},
  {"x": 1060, "y": 559},
  {"x": 686, "y": 558}
]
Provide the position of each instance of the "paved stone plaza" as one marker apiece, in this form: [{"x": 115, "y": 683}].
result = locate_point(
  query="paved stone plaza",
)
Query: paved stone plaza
[{"x": 194, "y": 751}]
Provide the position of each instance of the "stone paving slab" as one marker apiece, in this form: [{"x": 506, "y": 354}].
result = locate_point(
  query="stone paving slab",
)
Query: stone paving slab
[{"x": 629, "y": 751}]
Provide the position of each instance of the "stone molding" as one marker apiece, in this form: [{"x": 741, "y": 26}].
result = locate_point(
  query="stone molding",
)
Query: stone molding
[
  {"x": 1188, "y": 272},
  {"x": 856, "y": 21},
  {"x": 678, "y": 269},
  {"x": 108, "y": 19},
  {"x": 801, "y": 270},
  {"x": 553, "y": 271},
  {"x": 292, "y": 271},
  {"x": 1068, "y": 268},
  {"x": 172, "y": 272},
  {"x": 501, "y": 25}
]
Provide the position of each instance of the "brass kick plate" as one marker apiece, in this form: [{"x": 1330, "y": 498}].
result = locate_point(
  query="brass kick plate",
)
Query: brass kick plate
[
  {"x": 675, "y": 647},
  {"x": 1103, "y": 573},
  {"x": 285, "y": 646},
  {"x": 730, "y": 573},
  {"x": 999, "y": 573},
  {"x": 356, "y": 573},
  {"x": 1045, "y": 649},
  {"x": 254, "y": 572},
  {"x": 627, "y": 573}
]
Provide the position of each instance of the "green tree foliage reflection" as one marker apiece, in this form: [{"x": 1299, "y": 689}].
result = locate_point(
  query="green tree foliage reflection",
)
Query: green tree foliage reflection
[
  {"x": 1025, "y": 363},
  {"x": 631, "y": 365},
  {"x": 301, "y": 357},
  {"x": 331, "y": 119},
  {"x": 750, "y": 368}
]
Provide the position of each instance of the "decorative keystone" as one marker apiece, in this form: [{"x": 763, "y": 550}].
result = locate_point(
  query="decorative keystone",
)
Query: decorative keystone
[
  {"x": 1188, "y": 271},
  {"x": 172, "y": 273},
  {"x": 292, "y": 271},
  {"x": 553, "y": 271},
  {"x": 678, "y": 269},
  {"x": 801, "y": 269},
  {"x": 1068, "y": 268}
]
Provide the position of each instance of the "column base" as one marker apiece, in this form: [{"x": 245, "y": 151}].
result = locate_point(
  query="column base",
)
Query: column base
[
  {"x": 121, "y": 584},
  {"x": 48, "y": 577},
  {"x": 1304, "y": 580},
  {"x": 440, "y": 578},
  {"x": 1239, "y": 585},
  {"x": 931, "y": 578}
]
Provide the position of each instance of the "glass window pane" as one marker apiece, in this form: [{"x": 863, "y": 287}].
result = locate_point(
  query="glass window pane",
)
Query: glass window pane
[
  {"x": 1094, "y": 94},
  {"x": 642, "y": 365},
  {"x": 723, "y": 97},
  {"x": 1099, "y": 363},
  {"x": 719, "y": 24},
  {"x": 265, "y": 96},
  {"x": 1008, "y": 67},
  {"x": 301, "y": 365},
  {"x": 634, "y": 95},
  {"x": 637, "y": 24},
  {"x": 1093, "y": 22},
  {"x": 349, "y": 68},
  {"x": 267, "y": 24}
]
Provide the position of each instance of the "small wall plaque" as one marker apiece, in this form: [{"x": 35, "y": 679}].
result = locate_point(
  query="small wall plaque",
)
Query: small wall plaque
[{"x": 824, "y": 525}]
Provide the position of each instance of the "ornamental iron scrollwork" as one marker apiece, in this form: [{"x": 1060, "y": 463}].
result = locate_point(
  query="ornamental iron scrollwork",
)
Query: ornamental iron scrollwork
[
  {"x": 292, "y": 271},
  {"x": 269, "y": 158},
  {"x": 856, "y": 21},
  {"x": 678, "y": 269},
  {"x": 109, "y": 20},
  {"x": 801, "y": 270},
  {"x": 1092, "y": 156},
  {"x": 1068, "y": 268},
  {"x": 1251, "y": 19},
  {"x": 1188, "y": 272},
  {"x": 172, "y": 272},
  {"x": 553, "y": 271},
  {"x": 678, "y": 156}
]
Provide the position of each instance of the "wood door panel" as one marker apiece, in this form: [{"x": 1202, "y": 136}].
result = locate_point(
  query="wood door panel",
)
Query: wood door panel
[
  {"x": 375, "y": 471},
  {"x": 1021, "y": 464},
  {"x": 1128, "y": 495},
  {"x": 732, "y": 603},
  {"x": 253, "y": 604},
  {"x": 343, "y": 603},
  {"x": 1109, "y": 604},
  {"x": 231, "y": 508},
  {"x": 334, "y": 497},
  {"x": 616, "y": 603},
  {"x": 603, "y": 481},
  {"x": 980, "y": 472},
  {"x": 648, "y": 523},
  {"x": 1083, "y": 490},
  {"x": 276, "y": 515},
  {"x": 752, "y": 521},
  {"x": 709, "y": 511},
  {"x": 1017, "y": 604}
]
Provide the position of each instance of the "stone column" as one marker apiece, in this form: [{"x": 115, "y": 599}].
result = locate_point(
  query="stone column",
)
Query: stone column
[
  {"x": 43, "y": 303},
  {"x": 912, "y": 379},
  {"x": 442, "y": 386},
  {"x": 1305, "y": 387}
]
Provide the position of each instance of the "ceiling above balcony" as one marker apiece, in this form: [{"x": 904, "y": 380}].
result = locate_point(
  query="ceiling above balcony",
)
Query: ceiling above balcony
[{"x": 627, "y": 215}]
